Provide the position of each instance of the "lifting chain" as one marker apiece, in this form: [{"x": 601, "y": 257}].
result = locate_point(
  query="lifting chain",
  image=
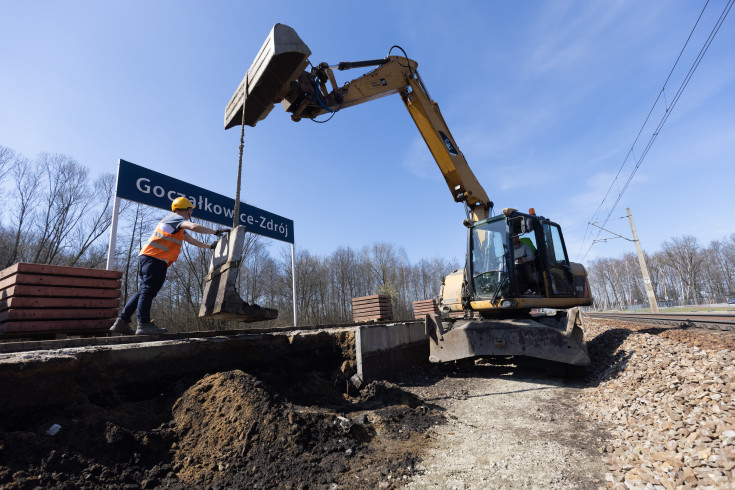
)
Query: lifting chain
[{"x": 236, "y": 214}]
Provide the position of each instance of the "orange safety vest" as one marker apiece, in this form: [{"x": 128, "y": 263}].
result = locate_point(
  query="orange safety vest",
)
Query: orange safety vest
[{"x": 162, "y": 245}]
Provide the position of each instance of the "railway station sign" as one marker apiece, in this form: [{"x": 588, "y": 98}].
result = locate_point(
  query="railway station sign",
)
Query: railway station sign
[{"x": 145, "y": 186}]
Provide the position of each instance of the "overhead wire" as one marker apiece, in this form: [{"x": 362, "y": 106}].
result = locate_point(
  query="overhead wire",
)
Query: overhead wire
[
  {"x": 640, "y": 131},
  {"x": 674, "y": 101},
  {"x": 669, "y": 108}
]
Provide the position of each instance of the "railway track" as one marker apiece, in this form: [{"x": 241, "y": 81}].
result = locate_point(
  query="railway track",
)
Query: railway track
[{"x": 709, "y": 321}]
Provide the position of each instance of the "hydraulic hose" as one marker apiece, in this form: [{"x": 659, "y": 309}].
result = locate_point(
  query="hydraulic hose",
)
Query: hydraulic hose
[{"x": 318, "y": 98}]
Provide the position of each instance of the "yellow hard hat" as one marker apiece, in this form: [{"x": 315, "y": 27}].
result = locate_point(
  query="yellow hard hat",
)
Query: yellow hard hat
[{"x": 181, "y": 203}]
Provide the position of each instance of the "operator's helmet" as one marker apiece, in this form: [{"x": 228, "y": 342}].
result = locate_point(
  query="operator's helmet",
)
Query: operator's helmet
[{"x": 181, "y": 203}]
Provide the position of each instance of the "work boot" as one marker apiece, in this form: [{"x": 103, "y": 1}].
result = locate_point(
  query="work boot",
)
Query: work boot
[
  {"x": 148, "y": 328},
  {"x": 121, "y": 327}
]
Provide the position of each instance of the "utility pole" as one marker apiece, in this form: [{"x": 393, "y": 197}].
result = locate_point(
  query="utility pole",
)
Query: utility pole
[{"x": 644, "y": 268}]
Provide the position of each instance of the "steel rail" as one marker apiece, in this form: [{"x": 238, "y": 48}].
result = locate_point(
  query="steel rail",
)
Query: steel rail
[{"x": 710, "y": 321}]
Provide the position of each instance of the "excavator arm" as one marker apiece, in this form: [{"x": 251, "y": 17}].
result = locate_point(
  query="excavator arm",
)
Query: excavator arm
[{"x": 313, "y": 93}]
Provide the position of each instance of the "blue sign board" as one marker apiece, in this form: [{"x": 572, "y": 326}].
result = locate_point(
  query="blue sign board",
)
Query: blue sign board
[{"x": 139, "y": 184}]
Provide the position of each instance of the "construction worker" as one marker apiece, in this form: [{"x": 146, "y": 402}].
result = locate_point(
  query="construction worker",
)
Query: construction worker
[{"x": 161, "y": 250}]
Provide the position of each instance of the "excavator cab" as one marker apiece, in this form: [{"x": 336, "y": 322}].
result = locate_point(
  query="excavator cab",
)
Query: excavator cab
[
  {"x": 519, "y": 258},
  {"x": 517, "y": 295},
  {"x": 516, "y": 263}
]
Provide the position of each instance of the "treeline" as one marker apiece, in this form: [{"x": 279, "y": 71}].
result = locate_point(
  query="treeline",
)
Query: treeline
[
  {"x": 55, "y": 213},
  {"x": 324, "y": 286},
  {"x": 683, "y": 272}
]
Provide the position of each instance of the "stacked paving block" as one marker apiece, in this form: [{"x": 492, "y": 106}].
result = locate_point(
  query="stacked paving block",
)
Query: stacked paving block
[
  {"x": 424, "y": 307},
  {"x": 41, "y": 299},
  {"x": 377, "y": 307}
]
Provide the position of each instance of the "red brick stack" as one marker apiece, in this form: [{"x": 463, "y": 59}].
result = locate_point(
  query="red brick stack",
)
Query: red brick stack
[
  {"x": 424, "y": 307},
  {"x": 37, "y": 298},
  {"x": 372, "y": 308}
]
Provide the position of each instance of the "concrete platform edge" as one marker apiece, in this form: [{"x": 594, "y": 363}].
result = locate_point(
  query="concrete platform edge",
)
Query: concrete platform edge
[{"x": 382, "y": 350}]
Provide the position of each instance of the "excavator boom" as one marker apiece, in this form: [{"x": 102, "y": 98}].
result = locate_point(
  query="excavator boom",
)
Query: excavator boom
[{"x": 277, "y": 75}]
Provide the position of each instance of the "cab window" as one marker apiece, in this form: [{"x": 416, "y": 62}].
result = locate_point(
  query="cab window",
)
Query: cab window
[
  {"x": 559, "y": 270},
  {"x": 554, "y": 246},
  {"x": 488, "y": 268}
]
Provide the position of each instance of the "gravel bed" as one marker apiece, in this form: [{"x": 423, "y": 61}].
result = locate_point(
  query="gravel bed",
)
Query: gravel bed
[{"x": 666, "y": 396}]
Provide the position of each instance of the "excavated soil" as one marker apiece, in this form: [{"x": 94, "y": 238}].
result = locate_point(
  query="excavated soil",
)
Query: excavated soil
[
  {"x": 225, "y": 430},
  {"x": 480, "y": 425}
]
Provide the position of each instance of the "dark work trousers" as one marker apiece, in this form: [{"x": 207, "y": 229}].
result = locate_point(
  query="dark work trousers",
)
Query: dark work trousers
[{"x": 151, "y": 276}]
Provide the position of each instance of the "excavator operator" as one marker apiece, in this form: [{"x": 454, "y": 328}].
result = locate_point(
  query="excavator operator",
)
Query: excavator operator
[{"x": 523, "y": 256}]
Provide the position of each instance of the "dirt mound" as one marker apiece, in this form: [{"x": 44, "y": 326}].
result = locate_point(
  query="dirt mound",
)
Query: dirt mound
[
  {"x": 234, "y": 430},
  {"x": 229, "y": 429}
]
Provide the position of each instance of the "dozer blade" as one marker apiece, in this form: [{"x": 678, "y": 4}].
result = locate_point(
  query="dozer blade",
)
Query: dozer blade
[
  {"x": 221, "y": 300},
  {"x": 279, "y": 62},
  {"x": 513, "y": 337}
]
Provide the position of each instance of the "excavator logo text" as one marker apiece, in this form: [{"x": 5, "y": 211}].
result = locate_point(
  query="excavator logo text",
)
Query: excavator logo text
[{"x": 448, "y": 143}]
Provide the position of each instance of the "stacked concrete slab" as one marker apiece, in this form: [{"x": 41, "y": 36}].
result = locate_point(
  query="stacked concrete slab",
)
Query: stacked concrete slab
[
  {"x": 376, "y": 307},
  {"x": 424, "y": 307},
  {"x": 37, "y": 299}
]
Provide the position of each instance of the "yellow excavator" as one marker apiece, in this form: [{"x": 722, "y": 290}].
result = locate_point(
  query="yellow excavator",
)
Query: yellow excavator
[{"x": 518, "y": 294}]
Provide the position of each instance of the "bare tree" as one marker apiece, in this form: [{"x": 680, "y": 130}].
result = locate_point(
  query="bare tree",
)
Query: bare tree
[
  {"x": 25, "y": 196},
  {"x": 252, "y": 275},
  {"x": 684, "y": 255},
  {"x": 8, "y": 159},
  {"x": 728, "y": 257},
  {"x": 66, "y": 198},
  {"x": 345, "y": 266},
  {"x": 309, "y": 297},
  {"x": 97, "y": 218},
  {"x": 138, "y": 220}
]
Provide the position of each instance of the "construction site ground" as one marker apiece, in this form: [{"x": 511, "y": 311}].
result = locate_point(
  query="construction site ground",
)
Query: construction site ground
[{"x": 656, "y": 410}]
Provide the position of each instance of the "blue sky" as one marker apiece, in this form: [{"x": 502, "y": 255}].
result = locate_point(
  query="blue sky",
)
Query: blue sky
[{"x": 544, "y": 99}]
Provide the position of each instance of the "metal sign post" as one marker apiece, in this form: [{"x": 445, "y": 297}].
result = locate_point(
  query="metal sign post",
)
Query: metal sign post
[
  {"x": 113, "y": 225},
  {"x": 113, "y": 233},
  {"x": 293, "y": 285}
]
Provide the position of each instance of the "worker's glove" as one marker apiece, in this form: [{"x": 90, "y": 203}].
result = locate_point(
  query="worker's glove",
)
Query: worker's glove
[{"x": 222, "y": 231}]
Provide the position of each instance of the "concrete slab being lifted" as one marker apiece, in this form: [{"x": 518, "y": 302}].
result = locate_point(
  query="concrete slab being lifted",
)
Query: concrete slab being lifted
[
  {"x": 56, "y": 376},
  {"x": 220, "y": 299}
]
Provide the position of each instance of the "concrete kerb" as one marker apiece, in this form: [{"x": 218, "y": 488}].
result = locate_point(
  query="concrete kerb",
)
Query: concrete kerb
[
  {"x": 39, "y": 379},
  {"x": 50, "y": 377},
  {"x": 383, "y": 349}
]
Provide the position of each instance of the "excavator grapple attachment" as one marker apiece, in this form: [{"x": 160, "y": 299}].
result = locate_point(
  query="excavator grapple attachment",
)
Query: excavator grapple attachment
[
  {"x": 558, "y": 339},
  {"x": 221, "y": 300},
  {"x": 279, "y": 62}
]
